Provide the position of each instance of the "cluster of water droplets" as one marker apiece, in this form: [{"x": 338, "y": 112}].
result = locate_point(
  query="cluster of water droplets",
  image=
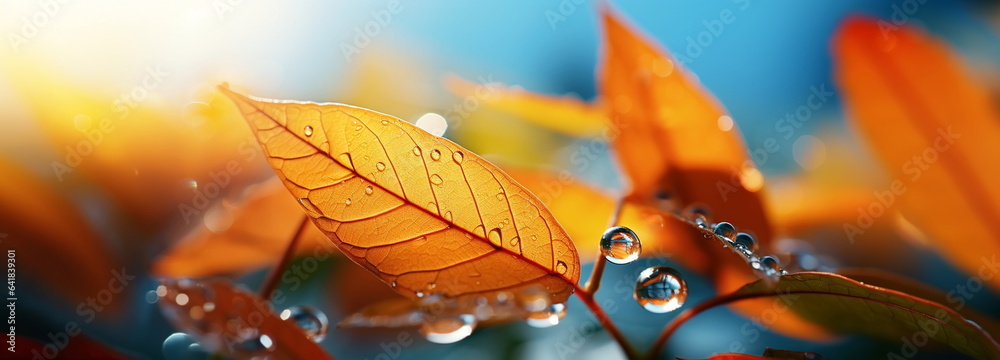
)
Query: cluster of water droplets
[
  {"x": 742, "y": 243},
  {"x": 208, "y": 328},
  {"x": 658, "y": 289}
]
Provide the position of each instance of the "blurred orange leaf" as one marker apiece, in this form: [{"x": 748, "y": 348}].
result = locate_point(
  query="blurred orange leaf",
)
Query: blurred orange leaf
[
  {"x": 262, "y": 227},
  {"x": 674, "y": 136},
  {"x": 567, "y": 115},
  {"x": 233, "y": 322},
  {"x": 422, "y": 213},
  {"x": 935, "y": 133},
  {"x": 47, "y": 253}
]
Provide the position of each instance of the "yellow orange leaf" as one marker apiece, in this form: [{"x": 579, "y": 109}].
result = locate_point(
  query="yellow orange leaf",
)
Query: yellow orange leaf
[
  {"x": 262, "y": 226},
  {"x": 419, "y": 211},
  {"x": 46, "y": 252},
  {"x": 565, "y": 114},
  {"x": 673, "y": 135},
  {"x": 934, "y": 130}
]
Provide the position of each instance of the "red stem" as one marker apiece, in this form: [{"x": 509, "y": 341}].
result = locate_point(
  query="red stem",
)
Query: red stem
[
  {"x": 676, "y": 323},
  {"x": 271, "y": 282},
  {"x": 602, "y": 317}
]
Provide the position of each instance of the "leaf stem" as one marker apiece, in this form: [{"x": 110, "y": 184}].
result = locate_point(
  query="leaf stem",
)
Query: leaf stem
[
  {"x": 676, "y": 323},
  {"x": 602, "y": 317},
  {"x": 594, "y": 281},
  {"x": 271, "y": 281}
]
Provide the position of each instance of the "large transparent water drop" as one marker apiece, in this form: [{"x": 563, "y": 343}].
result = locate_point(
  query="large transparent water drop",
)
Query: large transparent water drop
[
  {"x": 620, "y": 245},
  {"x": 181, "y": 346},
  {"x": 312, "y": 321},
  {"x": 660, "y": 289},
  {"x": 447, "y": 330}
]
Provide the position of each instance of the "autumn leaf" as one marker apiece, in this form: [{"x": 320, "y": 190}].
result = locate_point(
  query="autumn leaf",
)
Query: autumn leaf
[
  {"x": 233, "y": 322},
  {"x": 262, "y": 226},
  {"x": 847, "y": 306},
  {"x": 422, "y": 213},
  {"x": 675, "y": 137},
  {"x": 932, "y": 130},
  {"x": 47, "y": 253}
]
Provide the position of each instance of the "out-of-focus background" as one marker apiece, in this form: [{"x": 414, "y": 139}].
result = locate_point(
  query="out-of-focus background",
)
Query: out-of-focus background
[{"x": 150, "y": 68}]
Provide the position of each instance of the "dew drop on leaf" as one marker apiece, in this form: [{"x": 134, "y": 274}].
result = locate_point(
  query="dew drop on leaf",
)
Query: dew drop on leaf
[
  {"x": 620, "y": 245},
  {"x": 548, "y": 317},
  {"x": 312, "y": 321},
  {"x": 770, "y": 263},
  {"x": 745, "y": 242},
  {"x": 436, "y": 179},
  {"x": 699, "y": 215},
  {"x": 380, "y": 166},
  {"x": 369, "y": 190},
  {"x": 725, "y": 230},
  {"x": 347, "y": 202},
  {"x": 308, "y": 130},
  {"x": 435, "y": 155},
  {"x": 448, "y": 329},
  {"x": 458, "y": 157},
  {"x": 660, "y": 289},
  {"x": 416, "y": 150},
  {"x": 561, "y": 267},
  {"x": 495, "y": 236}
]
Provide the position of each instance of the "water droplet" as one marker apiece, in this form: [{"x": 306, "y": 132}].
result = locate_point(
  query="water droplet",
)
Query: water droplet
[
  {"x": 660, "y": 289},
  {"x": 458, "y": 157},
  {"x": 548, "y": 317},
  {"x": 347, "y": 202},
  {"x": 416, "y": 150},
  {"x": 448, "y": 216},
  {"x": 699, "y": 215},
  {"x": 179, "y": 346},
  {"x": 515, "y": 241},
  {"x": 725, "y": 230},
  {"x": 393, "y": 284},
  {"x": 308, "y": 130},
  {"x": 380, "y": 166},
  {"x": 561, "y": 267},
  {"x": 771, "y": 263},
  {"x": 435, "y": 155},
  {"x": 745, "y": 242},
  {"x": 620, "y": 245},
  {"x": 418, "y": 293},
  {"x": 312, "y": 321},
  {"x": 436, "y": 179},
  {"x": 495, "y": 236},
  {"x": 369, "y": 190},
  {"x": 447, "y": 330},
  {"x": 385, "y": 122}
]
